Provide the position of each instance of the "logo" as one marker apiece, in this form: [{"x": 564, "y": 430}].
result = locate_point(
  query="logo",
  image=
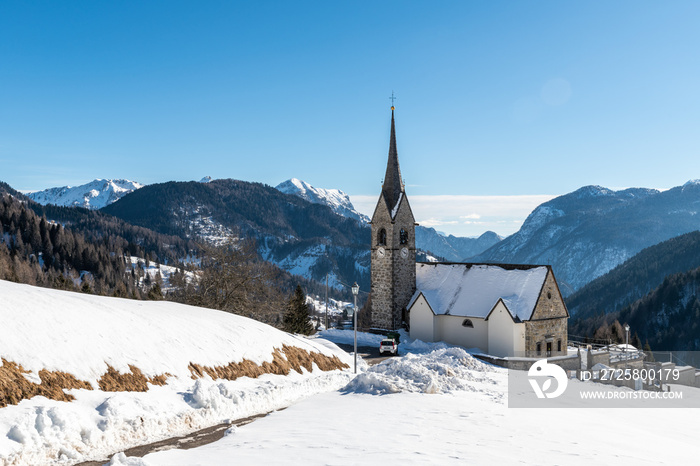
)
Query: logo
[{"x": 542, "y": 370}]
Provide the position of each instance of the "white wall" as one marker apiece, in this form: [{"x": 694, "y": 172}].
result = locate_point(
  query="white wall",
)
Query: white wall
[
  {"x": 451, "y": 330},
  {"x": 422, "y": 321},
  {"x": 506, "y": 338}
]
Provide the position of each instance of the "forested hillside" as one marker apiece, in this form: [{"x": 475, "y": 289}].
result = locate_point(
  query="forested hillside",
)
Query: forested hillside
[
  {"x": 668, "y": 318},
  {"x": 38, "y": 252},
  {"x": 304, "y": 238},
  {"x": 636, "y": 277}
]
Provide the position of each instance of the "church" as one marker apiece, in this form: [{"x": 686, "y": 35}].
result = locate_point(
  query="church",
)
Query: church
[{"x": 504, "y": 310}]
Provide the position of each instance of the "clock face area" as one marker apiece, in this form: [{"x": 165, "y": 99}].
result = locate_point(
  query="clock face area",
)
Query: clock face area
[
  {"x": 381, "y": 252},
  {"x": 404, "y": 253}
]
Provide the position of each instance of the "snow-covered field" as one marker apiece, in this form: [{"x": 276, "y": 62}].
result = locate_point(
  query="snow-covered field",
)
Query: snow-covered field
[
  {"x": 443, "y": 407},
  {"x": 435, "y": 404},
  {"x": 153, "y": 269}
]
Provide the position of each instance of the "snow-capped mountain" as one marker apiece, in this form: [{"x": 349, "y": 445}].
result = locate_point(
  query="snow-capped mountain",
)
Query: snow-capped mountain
[
  {"x": 588, "y": 232},
  {"x": 449, "y": 247},
  {"x": 333, "y": 198},
  {"x": 94, "y": 195}
]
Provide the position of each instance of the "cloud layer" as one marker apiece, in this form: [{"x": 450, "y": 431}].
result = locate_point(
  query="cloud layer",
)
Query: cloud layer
[{"x": 465, "y": 215}]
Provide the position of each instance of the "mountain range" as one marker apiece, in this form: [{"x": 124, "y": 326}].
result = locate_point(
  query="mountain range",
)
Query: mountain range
[
  {"x": 588, "y": 232},
  {"x": 615, "y": 253},
  {"x": 583, "y": 234}
]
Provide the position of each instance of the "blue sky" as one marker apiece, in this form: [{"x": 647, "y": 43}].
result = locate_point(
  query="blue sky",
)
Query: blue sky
[{"x": 510, "y": 101}]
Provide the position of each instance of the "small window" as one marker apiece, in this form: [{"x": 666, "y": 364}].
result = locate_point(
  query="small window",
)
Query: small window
[
  {"x": 549, "y": 295},
  {"x": 403, "y": 236},
  {"x": 539, "y": 348},
  {"x": 468, "y": 323},
  {"x": 549, "y": 348},
  {"x": 559, "y": 345},
  {"x": 381, "y": 237}
]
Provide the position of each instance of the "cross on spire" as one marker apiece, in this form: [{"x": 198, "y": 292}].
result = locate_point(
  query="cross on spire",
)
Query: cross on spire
[{"x": 393, "y": 98}]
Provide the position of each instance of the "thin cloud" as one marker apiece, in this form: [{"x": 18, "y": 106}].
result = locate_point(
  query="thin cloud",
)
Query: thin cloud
[{"x": 466, "y": 215}]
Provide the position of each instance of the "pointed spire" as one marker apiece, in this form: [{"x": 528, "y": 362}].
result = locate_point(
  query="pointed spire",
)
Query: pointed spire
[{"x": 393, "y": 185}]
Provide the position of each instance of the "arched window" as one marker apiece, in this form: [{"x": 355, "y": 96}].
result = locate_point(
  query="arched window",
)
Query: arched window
[
  {"x": 403, "y": 236},
  {"x": 381, "y": 237},
  {"x": 468, "y": 323}
]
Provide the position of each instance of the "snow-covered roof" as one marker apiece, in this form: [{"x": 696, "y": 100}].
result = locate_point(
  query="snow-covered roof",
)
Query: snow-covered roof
[{"x": 472, "y": 290}]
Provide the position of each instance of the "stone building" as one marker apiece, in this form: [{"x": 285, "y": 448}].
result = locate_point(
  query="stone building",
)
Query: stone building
[{"x": 502, "y": 309}]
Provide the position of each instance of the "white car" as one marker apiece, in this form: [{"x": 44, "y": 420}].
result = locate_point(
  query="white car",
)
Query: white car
[{"x": 388, "y": 346}]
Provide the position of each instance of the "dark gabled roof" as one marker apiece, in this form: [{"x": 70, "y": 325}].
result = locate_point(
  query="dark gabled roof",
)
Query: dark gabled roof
[
  {"x": 393, "y": 184},
  {"x": 498, "y": 264}
]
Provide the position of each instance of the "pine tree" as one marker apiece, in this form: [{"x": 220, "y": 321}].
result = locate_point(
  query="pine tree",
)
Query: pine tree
[
  {"x": 296, "y": 319},
  {"x": 155, "y": 293}
]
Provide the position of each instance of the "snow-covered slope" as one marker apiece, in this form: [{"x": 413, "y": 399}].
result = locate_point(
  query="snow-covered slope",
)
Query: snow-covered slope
[
  {"x": 55, "y": 335},
  {"x": 93, "y": 195},
  {"x": 333, "y": 198}
]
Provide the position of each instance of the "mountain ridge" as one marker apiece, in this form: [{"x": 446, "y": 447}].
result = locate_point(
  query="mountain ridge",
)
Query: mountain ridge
[
  {"x": 93, "y": 195},
  {"x": 586, "y": 233}
]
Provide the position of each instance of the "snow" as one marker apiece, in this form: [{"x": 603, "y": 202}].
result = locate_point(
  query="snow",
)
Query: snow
[
  {"x": 435, "y": 405},
  {"x": 473, "y": 290},
  {"x": 336, "y": 199},
  {"x": 443, "y": 407},
  {"x": 94, "y": 195},
  {"x": 396, "y": 207},
  {"x": 154, "y": 268},
  {"x": 81, "y": 334}
]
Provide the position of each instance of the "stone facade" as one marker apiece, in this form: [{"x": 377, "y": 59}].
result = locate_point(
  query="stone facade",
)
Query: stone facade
[
  {"x": 548, "y": 325},
  {"x": 394, "y": 267}
]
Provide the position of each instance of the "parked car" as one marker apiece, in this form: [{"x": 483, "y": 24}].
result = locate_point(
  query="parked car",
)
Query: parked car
[{"x": 388, "y": 346}]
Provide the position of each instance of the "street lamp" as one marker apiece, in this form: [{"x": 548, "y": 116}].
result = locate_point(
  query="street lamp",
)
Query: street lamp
[
  {"x": 627, "y": 341},
  {"x": 355, "y": 290}
]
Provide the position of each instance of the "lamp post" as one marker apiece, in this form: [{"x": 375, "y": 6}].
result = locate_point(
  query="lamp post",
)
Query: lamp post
[
  {"x": 627, "y": 341},
  {"x": 355, "y": 290}
]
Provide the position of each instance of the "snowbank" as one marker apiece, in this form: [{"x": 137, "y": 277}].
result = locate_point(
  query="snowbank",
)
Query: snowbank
[
  {"x": 81, "y": 334},
  {"x": 440, "y": 371},
  {"x": 84, "y": 335}
]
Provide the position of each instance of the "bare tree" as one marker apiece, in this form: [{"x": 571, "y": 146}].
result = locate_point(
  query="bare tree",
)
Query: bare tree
[{"x": 235, "y": 279}]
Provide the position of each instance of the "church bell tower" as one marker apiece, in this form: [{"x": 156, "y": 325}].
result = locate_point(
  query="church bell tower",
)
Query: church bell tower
[{"x": 393, "y": 247}]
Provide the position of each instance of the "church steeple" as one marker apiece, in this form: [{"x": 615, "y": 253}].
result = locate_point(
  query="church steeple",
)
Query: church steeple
[
  {"x": 393, "y": 184},
  {"x": 393, "y": 262}
]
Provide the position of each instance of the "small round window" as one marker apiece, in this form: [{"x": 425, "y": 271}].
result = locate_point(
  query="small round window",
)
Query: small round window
[
  {"x": 468, "y": 323},
  {"x": 549, "y": 295}
]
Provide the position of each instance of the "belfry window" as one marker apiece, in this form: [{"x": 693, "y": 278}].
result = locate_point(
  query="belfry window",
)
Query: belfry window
[
  {"x": 468, "y": 323},
  {"x": 381, "y": 237},
  {"x": 403, "y": 236}
]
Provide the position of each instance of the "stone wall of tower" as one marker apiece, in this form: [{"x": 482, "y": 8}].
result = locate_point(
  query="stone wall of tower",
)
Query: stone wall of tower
[
  {"x": 382, "y": 270},
  {"x": 393, "y": 275},
  {"x": 404, "y": 267}
]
